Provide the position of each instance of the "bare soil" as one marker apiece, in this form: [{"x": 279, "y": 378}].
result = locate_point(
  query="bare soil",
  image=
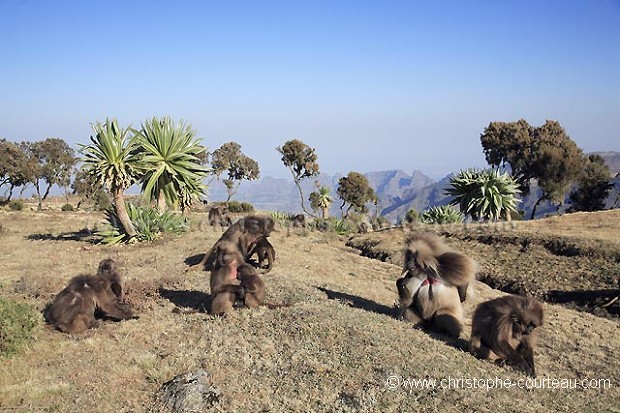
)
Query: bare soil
[{"x": 333, "y": 344}]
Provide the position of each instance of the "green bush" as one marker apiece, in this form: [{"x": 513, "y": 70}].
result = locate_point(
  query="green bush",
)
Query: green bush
[
  {"x": 444, "y": 214},
  {"x": 411, "y": 216},
  {"x": 240, "y": 207},
  {"x": 17, "y": 323},
  {"x": 16, "y": 205},
  {"x": 149, "y": 223},
  {"x": 67, "y": 207}
]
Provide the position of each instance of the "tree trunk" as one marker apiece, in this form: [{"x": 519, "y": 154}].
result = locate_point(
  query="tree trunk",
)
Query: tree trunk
[
  {"x": 121, "y": 211},
  {"x": 325, "y": 212},
  {"x": 536, "y": 206},
  {"x": 10, "y": 192},
  {"x": 40, "y": 205},
  {"x": 301, "y": 195},
  {"x": 161, "y": 202}
]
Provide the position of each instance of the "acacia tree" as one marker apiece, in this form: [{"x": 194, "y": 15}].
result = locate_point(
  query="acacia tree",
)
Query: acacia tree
[
  {"x": 544, "y": 153},
  {"x": 56, "y": 163},
  {"x": 170, "y": 163},
  {"x": 300, "y": 159},
  {"x": 355, "y": 191},
  {"x": 111, "y": 159},
  {"x": 593, "y": 185},
  {"x": 321, "y": 200},
  {"x": 229, "y": 158},
  {"x": 15, "y": 167}
]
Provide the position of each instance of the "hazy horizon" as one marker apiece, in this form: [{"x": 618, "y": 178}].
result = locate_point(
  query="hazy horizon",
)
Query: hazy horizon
[{"x": 371, "y": 86}]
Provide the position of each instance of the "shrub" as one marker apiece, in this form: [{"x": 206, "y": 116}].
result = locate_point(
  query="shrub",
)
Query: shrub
[
  {"x": 67, "y": 208},
  {"x": 240, "y": 207},
  {"x": 149, "y": 223},
  {"x": 17, "y": 322},
  {"x": 411, "y": 216},
  {"x": 443, "y": 214},
  {"x": 16, "y": 205}
]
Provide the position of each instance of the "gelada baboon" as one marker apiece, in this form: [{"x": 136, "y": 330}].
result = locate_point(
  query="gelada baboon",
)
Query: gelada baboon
[
  {"x": 244, "y": 234},
  {"x": 73, "y": 310},
  {"x": 298, "y": 221},
  {"x": 434, "y": 284},
  {"x": 265, "y": 252},
  {"x": 252, "y": 285},
  {"x": 218, "y": 215},
  {"x": 225, "y": 288},
  {"x": 503, "y": 331}
]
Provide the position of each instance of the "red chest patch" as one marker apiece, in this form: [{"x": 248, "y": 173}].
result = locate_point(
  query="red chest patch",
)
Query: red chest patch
[{"x": 431, "y": 281}]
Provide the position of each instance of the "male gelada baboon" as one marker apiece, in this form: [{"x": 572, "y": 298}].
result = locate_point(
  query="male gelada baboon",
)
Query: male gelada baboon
[
  {"x": 218, "y": 215},
  {"x": 434, "y": 284},
  {"x": 243, "y": 234},
  {"x": 265, "y": 252},
  {"x": 503, "y": 331},
  {"x": 74, "y": 308},
  {"x": 252, "y": 285}
]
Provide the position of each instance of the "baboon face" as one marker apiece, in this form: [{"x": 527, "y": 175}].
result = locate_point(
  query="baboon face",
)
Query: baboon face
[
  {"x": 107, "y": 265},
  {"x": 528, "y": 318}
]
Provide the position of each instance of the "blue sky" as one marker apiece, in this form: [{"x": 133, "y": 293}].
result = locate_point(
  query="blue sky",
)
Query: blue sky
[{"x": 371, "y": 85}]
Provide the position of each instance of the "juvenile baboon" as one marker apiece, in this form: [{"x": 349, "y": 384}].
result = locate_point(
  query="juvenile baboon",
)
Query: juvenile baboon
[
  {"x": 434, "y": 284},
  {"x": 253, "y": 286},
  {"x": 298, "y": 221},
  {"x": 265, "y": 252},
  {"x": 73, "y": 310},
  {"x": 218, "y": 215},
  {"x": 503, "y": 331},
  {"x": 225, "y": 287},
  {"x": 244, "y": 234}
]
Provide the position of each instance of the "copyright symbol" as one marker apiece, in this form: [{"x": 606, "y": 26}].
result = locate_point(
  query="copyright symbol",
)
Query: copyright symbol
[{"x": 392, "y": 382}]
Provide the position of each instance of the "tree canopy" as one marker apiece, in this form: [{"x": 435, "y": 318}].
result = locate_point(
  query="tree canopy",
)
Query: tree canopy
[
  {"x": 545, "y": 153},
  {"x": 593, "y": 185},
  {"x": 355, "y": 191},
  {"x": 229, "y": 158},
  {"x": 301, "y": 160}
]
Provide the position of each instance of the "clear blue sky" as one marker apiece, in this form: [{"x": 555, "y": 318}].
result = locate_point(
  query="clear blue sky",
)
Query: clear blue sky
[{"x": 371, "y": 85}]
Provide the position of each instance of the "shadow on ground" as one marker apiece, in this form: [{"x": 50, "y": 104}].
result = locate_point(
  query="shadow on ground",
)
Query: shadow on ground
[
  {"x": 83, "y": 235},
  {"x": 189, "y": 299}
]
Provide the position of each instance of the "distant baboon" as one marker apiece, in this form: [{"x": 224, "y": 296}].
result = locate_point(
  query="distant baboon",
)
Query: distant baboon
[
  {"x": 74, "y": 308},
  {"x": 435, "y": 283},
  {"x": 218, "y": 215},
  {"x": 503, "y": 331},
  {"x": 364, "y": 227},
  {"x": 298, "y": 221},
  {"x": 244, "y": 234},
  {"x": 265, "y": 252},
  {"x": 253, "y": 286}
]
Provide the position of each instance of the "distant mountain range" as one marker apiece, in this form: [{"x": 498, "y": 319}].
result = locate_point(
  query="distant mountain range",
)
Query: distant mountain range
[{"x": 397, "y": 190}]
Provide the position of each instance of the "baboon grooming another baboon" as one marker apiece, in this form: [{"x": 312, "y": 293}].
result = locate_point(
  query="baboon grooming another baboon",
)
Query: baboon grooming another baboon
[
  {"x": 218, "y": 215},
  {"x": 503, "y": 331},
  {"x": 244, "y": 234},
  {"x": 265, "y": 252},
  {"x": 435, "y": 282},
  {"x": 225, "y": 288},
  {"x": 73, "y": 310}
]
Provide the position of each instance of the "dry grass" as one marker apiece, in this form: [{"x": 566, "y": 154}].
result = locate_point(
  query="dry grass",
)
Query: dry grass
[{"x": 331, "y": 348}]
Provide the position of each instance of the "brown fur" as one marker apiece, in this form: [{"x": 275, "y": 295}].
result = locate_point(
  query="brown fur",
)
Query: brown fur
[
  {"x": 244, "y": 234},
  {"x": 225, "y": 288},
  {"x": 73, "y": 310},
  {"x": 435, "y": 283},
  {"x": 265, "y": 252},
  {"x": 218, "y": 215},
  {"x": 503, "y": 331},
  {"x": 298, "y": 221},
  {"x": 253, "y": 286}
]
